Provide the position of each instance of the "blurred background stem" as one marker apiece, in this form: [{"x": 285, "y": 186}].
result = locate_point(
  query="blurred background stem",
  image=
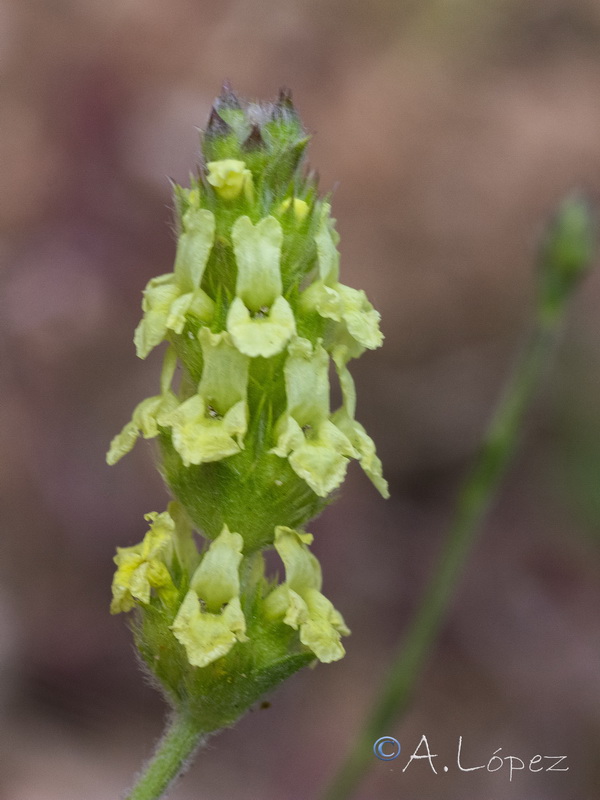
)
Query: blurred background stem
[{"x": 565, "y": 255}]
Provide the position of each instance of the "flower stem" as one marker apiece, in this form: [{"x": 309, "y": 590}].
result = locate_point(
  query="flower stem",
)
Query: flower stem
[
  {"x": 173, "y": 755},
  {"x": 477, "y": 493}
]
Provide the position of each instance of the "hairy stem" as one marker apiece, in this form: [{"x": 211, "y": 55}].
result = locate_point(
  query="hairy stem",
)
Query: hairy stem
[
  {"x": 173, "y": 755},
  {"x": 478, "y": 491}
]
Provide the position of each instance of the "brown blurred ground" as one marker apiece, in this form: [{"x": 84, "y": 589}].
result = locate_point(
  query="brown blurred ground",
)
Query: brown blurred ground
[{"x": 453, "y": 129}]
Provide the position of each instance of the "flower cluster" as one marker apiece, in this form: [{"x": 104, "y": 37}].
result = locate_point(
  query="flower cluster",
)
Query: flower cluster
[{"x": 253, "y": 314}]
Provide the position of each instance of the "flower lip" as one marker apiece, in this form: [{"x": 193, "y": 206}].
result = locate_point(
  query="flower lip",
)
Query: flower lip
[
  {"x": 299, "y": 600},
  {"x": 210, "y": 620},
  {"x": 260, "y": 320}
]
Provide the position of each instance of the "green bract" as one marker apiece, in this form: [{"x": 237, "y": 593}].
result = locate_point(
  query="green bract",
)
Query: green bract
[{"x": 253, "y": 314}]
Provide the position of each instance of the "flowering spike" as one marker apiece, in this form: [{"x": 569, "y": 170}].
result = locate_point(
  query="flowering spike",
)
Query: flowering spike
[{"x": 253, "y": 314}]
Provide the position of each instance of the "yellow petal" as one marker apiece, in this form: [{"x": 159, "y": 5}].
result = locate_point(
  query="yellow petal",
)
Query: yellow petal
[{"x": 206, "y": 636}]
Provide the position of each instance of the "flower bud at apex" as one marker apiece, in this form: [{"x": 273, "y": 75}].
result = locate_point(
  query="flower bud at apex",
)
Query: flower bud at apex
[
  {"x": 567, "y": 251},
  {"x": 253, "y": 314},
  {"x": 229, "y": 178},
  {"x": 299, "y": 206}
]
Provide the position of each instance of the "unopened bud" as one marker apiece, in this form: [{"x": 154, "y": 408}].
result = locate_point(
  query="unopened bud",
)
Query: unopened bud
[{"x": 567, "y": 251}]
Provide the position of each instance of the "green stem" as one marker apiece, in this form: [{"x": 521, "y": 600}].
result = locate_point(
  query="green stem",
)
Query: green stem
[
  {"x": 475, "y": 497},
  {"x": 173, "y": 754}
]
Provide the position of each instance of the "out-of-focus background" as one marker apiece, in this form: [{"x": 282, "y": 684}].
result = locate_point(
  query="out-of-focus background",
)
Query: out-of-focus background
[{"x": 452, "y": 129}]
